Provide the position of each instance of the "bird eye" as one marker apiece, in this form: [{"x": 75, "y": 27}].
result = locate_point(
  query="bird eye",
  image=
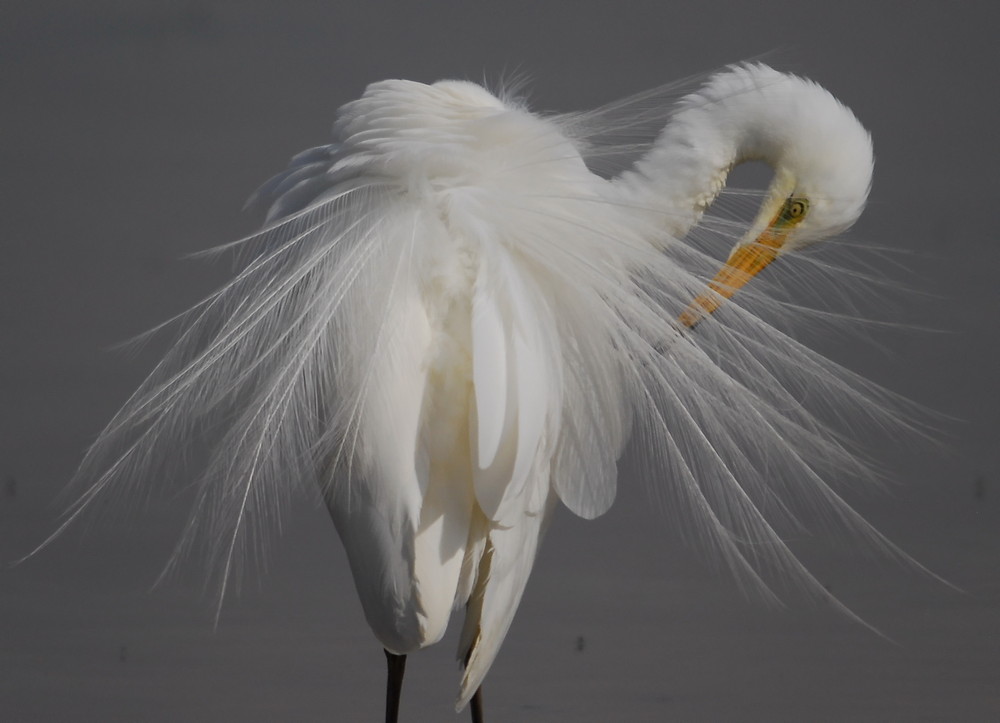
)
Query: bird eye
[{"x": 795, "y": 208}]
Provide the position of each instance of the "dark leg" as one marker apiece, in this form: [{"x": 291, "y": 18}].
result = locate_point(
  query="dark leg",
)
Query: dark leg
[
  {"x": 477, "y": 705},
  {"x": 394, "y": 686}
]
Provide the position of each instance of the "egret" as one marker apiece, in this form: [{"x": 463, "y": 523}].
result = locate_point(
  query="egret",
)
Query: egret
[{"x": 460, "y": 315}]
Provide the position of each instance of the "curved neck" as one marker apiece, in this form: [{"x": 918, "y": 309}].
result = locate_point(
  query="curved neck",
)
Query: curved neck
[{"x": 720, "y": 126}]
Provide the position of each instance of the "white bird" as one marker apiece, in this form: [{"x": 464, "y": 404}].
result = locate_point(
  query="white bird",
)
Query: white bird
[{"x": 453, "y": 321}]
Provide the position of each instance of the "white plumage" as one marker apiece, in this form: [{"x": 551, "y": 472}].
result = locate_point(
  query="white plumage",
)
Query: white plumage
[{"x": 452, "y": 323}]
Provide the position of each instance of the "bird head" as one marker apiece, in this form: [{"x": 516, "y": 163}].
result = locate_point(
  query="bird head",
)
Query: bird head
[{"x": 823, "y": 162}]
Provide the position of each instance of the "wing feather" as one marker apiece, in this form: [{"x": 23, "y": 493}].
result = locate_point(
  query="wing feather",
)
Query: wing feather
[
  {"x": 507, "y": 562},
  {"x": 489, "y": 354},
  {"x": 517, "y": 390}
]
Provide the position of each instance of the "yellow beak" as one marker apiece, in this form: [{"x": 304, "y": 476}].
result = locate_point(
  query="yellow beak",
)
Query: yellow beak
[{"x": 744, "y": 263}]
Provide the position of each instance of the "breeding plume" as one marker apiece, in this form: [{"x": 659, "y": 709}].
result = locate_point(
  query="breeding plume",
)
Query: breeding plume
[{"x": 460, "y": 315}]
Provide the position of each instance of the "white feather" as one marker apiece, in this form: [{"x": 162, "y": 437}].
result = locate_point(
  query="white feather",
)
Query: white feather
[
  {"x": 451, "y": 323},
  {"x": 489, "y": 354}
]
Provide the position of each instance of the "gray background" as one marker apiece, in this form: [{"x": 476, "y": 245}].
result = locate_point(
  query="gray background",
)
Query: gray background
[{"x": 132, "y": 132}]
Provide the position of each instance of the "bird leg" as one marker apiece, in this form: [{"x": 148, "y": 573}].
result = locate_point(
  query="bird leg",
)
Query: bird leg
[
  {"x": 476, "y": 705},
  {"x": 394, "y": 685}
]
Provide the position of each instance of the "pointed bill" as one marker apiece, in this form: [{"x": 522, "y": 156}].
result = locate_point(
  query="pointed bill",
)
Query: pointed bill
[{"x": 746, "y": 261}]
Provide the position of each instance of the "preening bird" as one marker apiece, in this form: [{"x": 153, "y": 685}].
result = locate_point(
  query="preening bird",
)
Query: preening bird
[{"x": 460, "y": 315}]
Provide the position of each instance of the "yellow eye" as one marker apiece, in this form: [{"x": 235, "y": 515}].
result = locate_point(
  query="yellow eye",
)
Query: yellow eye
[{"x": 795, "y": 208}]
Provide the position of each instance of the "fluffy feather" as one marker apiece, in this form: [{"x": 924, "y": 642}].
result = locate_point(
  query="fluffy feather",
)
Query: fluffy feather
[{"x": 451, "y": 323}]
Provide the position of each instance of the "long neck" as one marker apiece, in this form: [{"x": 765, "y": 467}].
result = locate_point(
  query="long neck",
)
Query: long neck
[{"x": 720, "y": 126}]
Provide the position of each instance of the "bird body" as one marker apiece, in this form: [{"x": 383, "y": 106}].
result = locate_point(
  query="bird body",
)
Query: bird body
[
  {"x": 458, "y": 437},
  {"x": 453, "y": 324}
]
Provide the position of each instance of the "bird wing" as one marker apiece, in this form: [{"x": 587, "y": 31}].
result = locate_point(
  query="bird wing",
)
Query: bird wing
[{"x": 516, "y": 382}]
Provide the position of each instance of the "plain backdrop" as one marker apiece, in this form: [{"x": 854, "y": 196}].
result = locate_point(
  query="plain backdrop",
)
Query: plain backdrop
[{"x": 130, "y": 135}]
